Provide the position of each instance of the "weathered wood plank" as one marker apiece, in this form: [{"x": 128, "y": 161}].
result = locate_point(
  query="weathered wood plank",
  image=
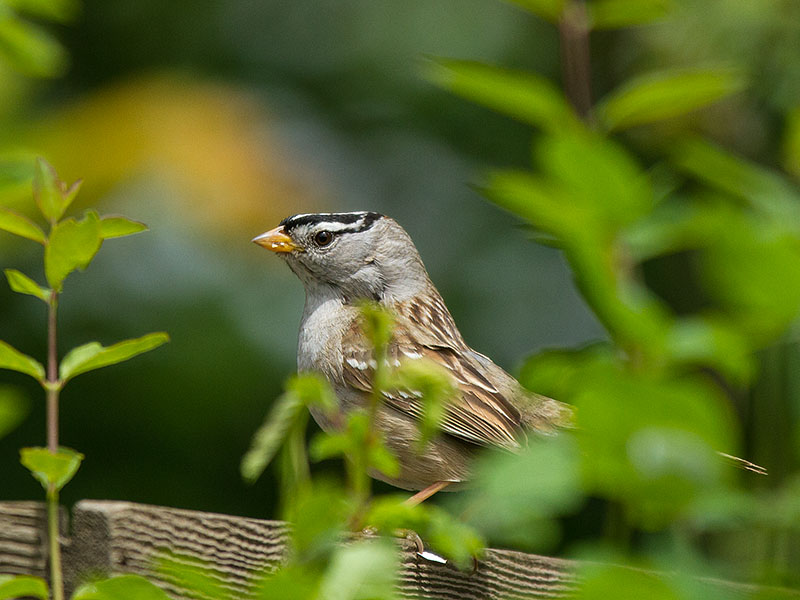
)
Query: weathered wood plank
[
  {"x": 23, "y": 538},
  {"x": 128, "y": 537},
  {"x": 122, "y": 537},
  {"x": 501, "y": 575}
]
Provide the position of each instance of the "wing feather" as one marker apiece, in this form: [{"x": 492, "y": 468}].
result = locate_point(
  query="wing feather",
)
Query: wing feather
[{"x": 479, "y": 413}]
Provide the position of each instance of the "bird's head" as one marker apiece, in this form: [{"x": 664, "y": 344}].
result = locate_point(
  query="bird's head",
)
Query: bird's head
[{"x": 358, "y": 255}]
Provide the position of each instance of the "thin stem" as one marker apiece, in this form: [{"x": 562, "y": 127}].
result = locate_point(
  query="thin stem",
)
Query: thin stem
[
  {"x": 53, "y": 388},
  {"x": 56, "y": 581},
  {"x": 52, "y": 375},
  {"x": 573, "y": 29}
]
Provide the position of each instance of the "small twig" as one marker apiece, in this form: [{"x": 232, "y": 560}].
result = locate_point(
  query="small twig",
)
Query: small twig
[
  {"x": 573, "y": 29},
  {"x": 52, "y": 375},
  {"x": 56, "y": 579}
]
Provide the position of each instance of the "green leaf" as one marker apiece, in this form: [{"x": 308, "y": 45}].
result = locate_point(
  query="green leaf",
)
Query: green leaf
[
  {"x": 547, "y": 9},
  {"x": 709, "y": 342},
  {"x": 22, "y": 284},
  {"x": 30, "y": 49},
  {"x": 13, "y": 408},
  {"x": 600, "y": 581},
  {"x": 195, "y": 576},
  {"x": 13, "y": 359},
  {"x": 19, "y": 586},
  {"x": 524, "y": 96},
  {"x": 112, "y": 227},
  {"x": 535, "y": 200},
  {"x": 54, "y": 10},
  {"x": 366, "y": 570},
  {"x": 49, "y": 468},
  {"x": 609, "y": 186},
  {"x": 446, "y": 534},
  {"x": 791, "y": 147},
  {"x": 72, "y": 245},
  {"x": 612, "y": 14},
  {"x": 270, "y": 436},
  {"x": 16, "y": 176},
  {"x": 377, "y": 323},
  {"x": 379, "y": 457},
  {"x": 292, "y": 580},
  {"x": 765, "y": 190},
  {"x": 93, "y": 355},
  {"x": 318, "y": 515},
  {"x": 657, "y": 96},
  {"x": 18, "y": 224},
  {"x": 433, "y": 385},
  {"x": 48, "y": 191},
  {"x": 313, "y": 390},
  {"x": 739, "y": 269},
  {"x": 521, "y": 495},
  {"x": 124, "y": 587}
]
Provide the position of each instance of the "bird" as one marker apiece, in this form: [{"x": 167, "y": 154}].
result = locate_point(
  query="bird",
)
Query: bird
[{"x": 347, "y": 258}]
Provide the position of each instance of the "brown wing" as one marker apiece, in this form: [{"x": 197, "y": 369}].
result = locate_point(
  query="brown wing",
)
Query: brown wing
[{"x": 480, "y": 413}]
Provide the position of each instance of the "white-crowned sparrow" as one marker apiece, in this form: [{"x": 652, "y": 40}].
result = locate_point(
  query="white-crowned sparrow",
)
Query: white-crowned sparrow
[{"x": 345, "y": 258}]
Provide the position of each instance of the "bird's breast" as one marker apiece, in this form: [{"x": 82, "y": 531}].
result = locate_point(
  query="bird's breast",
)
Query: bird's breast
[{"x": 321, "y": 331}]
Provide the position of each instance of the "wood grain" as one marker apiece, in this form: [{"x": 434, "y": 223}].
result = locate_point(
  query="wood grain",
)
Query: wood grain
[
  {"x": 23, "y": 541},
  {"x": 122, "y": 537}
]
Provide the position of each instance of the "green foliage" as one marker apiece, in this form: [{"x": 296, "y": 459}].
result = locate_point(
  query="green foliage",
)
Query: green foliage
[
  {"x": 70, "y": 244},
  {"x": 654, "y": 97},
  {"x": 13, "y": 408},
  {"x": 653, "y": 407},
  {"x": 13, "y": 359},
  {"x": 522, "y": 496},
  {"x": 444, "y": 532},
  {"x": 111, "y": 227},
  {"x": 319, "y": 566},
  {"x": 302, "y": 392},
  {"x": 22, "y": 284},
  {"x": 20, "y": 586},
  {"x": 190, "y": 574},
  {"x": 612, "y": 14},
  {"x": 20, "y": 225},
  {"x": 52, "y": 195},
  {"x": 51, "y": 469},
  {"x": 28, "y": 47},
  {"x": 93, "y": 355},
  {"x": 524, "y": 96},
  {"x": 377, "y": 324},
  {"x": 124, "y": 587},
  {"x": 432, "y": 383},
  {"x": 362, "y": 571},
  {"x": 320, "y": 512},
  {"x": 547, "y": 9}
]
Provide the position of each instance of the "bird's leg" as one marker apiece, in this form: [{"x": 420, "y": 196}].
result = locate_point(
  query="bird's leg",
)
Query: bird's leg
[
  {"x": 412, "y": 536},
  {"x": 429, "y": 491}
]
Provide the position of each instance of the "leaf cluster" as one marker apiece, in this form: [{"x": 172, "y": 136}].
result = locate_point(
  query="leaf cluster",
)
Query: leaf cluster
[
  {"x": 653, "y": 403},
  {"x": 29, "y": 47},
  {"x": 70, "y": 244}
]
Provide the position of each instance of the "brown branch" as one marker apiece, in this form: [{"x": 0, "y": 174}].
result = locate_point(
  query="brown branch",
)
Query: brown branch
[{"x": 573, "y": 29}]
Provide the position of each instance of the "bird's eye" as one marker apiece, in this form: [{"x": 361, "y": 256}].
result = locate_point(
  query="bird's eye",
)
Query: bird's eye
[{"x": 323, "y": 238}]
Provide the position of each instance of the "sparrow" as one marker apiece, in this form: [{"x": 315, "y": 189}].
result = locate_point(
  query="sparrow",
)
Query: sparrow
[{"x": 344, "y": 259}]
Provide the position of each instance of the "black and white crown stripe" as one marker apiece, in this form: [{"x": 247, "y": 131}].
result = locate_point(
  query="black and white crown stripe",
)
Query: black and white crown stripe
[{"x": 351, "y": 222}]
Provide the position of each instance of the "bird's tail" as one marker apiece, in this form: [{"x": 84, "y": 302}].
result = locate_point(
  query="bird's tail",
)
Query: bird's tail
[{"x": 744, "y": 464}]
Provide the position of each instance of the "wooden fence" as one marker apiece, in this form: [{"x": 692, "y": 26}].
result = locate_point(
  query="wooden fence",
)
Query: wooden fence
[{"x": 108, "y": 537}]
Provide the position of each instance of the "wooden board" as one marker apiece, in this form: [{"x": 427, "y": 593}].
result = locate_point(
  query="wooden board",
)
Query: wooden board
[{"x": 111, "y": 537}]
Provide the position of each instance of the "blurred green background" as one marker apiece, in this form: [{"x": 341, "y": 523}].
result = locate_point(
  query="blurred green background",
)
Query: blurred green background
[{"x": 211, "y": 121}]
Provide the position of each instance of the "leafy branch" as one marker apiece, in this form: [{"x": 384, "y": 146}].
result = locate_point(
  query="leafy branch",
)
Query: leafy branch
[{"x": 69, "y": 245}]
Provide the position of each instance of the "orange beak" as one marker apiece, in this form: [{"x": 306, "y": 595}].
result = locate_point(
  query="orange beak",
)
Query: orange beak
[{"x": 276, "y": 240}]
